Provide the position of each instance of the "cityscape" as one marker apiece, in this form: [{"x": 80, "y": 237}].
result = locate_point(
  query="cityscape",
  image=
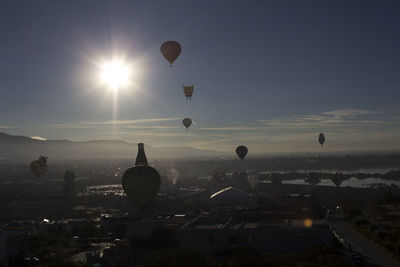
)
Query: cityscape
[{"x": 199, "y": 133}]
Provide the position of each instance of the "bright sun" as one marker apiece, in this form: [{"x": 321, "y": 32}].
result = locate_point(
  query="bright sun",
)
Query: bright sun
[{"x": 115, "y": 74}]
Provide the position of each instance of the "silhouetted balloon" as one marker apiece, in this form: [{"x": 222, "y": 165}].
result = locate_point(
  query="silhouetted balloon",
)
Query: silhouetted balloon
[
  {"x": 39, "y": 166},
  {"x": 170, "y": 50},
  {"x": 337, "y": 178},
  {"x": 241, "y": 151},
  {"x": 141, "y": 184},
  {"x": 187, "y": 122},
  {"x": 188, "y": 91},
  {"x": 321, "y": 139}
]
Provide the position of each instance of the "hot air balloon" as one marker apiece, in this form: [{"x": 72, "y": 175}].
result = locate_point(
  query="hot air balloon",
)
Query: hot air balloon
[
  {"x": 241, "y": 151},
  {"x": 188, "y": 91},
  {"x": 337, "y": 178},
  {"x": 38, "y": 166},
  {"x": 321, "y": 139},
  {"x": 142, "y": 182},
  {"x": 170, "y": 50},
  {"x": 187, "y": 122}
]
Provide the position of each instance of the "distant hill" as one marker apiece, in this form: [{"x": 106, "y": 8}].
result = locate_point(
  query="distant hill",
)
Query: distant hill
[{"x": 22, "y": 147}]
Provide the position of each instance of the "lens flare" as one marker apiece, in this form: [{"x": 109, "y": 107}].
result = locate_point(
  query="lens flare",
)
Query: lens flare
[{"x": 115, "y": 74}]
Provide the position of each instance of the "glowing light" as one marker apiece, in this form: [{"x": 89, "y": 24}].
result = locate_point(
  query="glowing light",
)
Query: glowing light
[
  {"x": 115, "y": 74},
  {"x": 308, "y": 223}
]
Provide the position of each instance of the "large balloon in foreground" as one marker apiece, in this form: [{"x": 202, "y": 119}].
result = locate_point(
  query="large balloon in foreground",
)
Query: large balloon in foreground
[
  {"x": 321, "y": 139},
  {"x": 141, "y": 184},
  {"x": 39, "y": 166},
  {"x": 241, "y": 151},
  {"x": 170, "y": 50},
  {"x": 187, "y": 122}
]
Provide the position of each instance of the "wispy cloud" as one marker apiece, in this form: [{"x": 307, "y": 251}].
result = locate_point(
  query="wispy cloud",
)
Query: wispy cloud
[
  {"x": 342, "y": 118},
  {"x": 144, "y": 134},
  {"x": 346, "y": 112},
  {"x": 345, "y": 129},
  {"x": 73, "y": 126},
  {"x": 6, "y": 127},
  {"x": 151, "y": 127},
  {"x": 127, "y": 122},
  {"x": 232, "y": 128},
  {"x": 38, "y": 138}
]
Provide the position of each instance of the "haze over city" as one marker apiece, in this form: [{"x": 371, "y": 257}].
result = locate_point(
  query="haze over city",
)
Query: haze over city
[{"x": 199, "y": 133}]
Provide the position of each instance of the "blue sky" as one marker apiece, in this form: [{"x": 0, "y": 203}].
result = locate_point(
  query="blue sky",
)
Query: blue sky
[{"x": 268, "y": 74}]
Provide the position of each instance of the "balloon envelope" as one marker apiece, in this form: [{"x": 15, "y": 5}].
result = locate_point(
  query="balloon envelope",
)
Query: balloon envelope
[
  {"x": 170, "y": 50},
  {"x": 39, "y": 166},
  {"x": 141, "y": 184},
  {"x": 241, "y": 151},
  {"x": 337, "y": 178},
  {"x": 321, "y": 139},
  {"x": 187, "y": 122},
  {"x": 188, "y": 91}
]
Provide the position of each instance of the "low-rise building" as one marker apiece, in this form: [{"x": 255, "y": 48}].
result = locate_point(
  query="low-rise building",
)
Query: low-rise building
[{"x": 289, "y": 235}]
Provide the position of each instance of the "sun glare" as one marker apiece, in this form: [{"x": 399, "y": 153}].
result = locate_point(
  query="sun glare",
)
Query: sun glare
[{"x": 115, "y": 74}]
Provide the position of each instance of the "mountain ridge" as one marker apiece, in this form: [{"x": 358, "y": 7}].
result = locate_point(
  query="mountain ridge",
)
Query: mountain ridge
[{"x": 21, "y": 147}]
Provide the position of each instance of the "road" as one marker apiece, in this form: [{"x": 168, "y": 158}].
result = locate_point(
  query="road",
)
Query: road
[{"x": 372, "y": 254}]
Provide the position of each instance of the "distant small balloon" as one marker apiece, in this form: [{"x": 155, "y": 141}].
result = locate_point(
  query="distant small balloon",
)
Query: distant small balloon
[
  {"x": 39, "y": 166},
  {"x": 337, "y": 178},
  {"x": 241, "y": 151},
  {"x": 188, "y": 91},
  {"x": 171, "y": 50},
  {"x": 187, "y": 122},
  {"x": 321, "y": 139}
]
